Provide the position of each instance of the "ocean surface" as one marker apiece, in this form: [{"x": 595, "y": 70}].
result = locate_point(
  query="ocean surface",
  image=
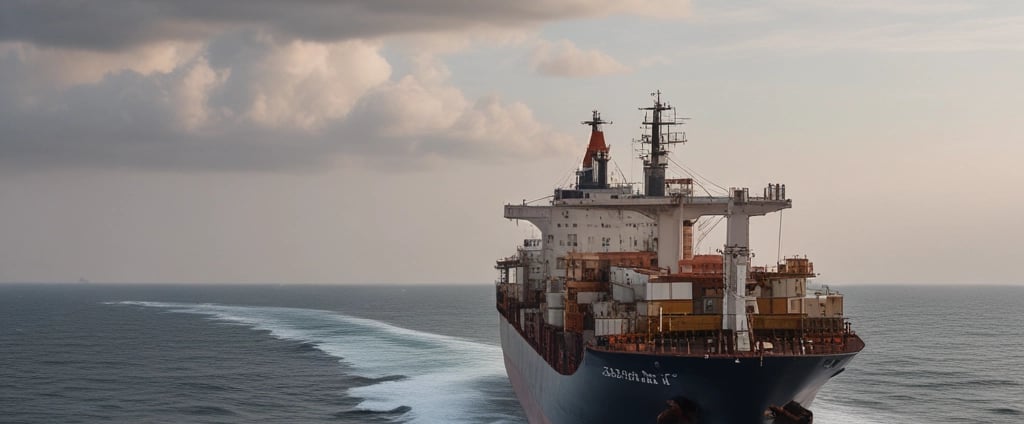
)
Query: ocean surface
[{"x": 89, "y": 353}]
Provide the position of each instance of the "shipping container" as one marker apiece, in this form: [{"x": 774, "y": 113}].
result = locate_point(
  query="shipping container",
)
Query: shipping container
[
  {"x": 686, "y": 322},
  {"x": 572, "y": 307},
  {"x": 777, "y": 322},
  {"x": 555, "y": 300},
  {"x": 659, "y": 291},
  {"x": 796, "y": 305},
  {"x": 610, "y": 326},
  {"x": 623, "y": 293},
  {"x": 780, "y": 305},
  {"x": 573, "y": 322},
  {"x": 603, "y": 309},
  {"x": 711, "y": 305},
  {"x": 617, "y": 275},
  {"x": 589, "y": 297},
  {"x": 787, "y": 287},
  {"x": 628, "y": 284},
  {"x": 581, "y": 286},
  {"x": 671, "y": 307},
  {"x": 681, "y": 291},
  {"x": 814, "y": 307},
  {"x": 703, "y": 264},
  {"x": 669, "y": 291},
  {"x": 556, "y": 317},
  {"x": 834, "y": 305}
]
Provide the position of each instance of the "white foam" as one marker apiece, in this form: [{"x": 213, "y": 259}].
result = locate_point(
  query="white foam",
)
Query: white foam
[{"x": 441, "y": 374}]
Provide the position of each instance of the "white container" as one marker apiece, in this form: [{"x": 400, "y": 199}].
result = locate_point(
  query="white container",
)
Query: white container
[
  {"x": 603, "y": 309},
  {"x": 624, "y": 294},
  {"x": 588, "y": 297},
  {"x": 556, "y": 317},
  {"x": 814, "y": 307},
  {"x": 834, "y": 305},
  {"x": 610, "y": 326},
  {"x": 555, "y": 300},
  {"x": 682, "y": 291},
  {"x": 788, "y": 287},
  {"x": 795, "y": 305},
  {"x": 617, "y": 275},
  {"x": 659, "y": 291}
]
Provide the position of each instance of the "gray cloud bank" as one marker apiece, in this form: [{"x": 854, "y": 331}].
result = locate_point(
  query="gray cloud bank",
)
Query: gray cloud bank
[
  {"x": 116, "y": 24},
  {"x": 255, "y": 84}
]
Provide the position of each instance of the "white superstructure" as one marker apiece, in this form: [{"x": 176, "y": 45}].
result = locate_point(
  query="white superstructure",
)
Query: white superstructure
[{"x": 596, "y": 217}]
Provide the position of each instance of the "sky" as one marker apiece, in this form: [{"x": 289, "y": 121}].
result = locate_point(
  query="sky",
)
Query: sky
[{"x": 375, "y": 142}]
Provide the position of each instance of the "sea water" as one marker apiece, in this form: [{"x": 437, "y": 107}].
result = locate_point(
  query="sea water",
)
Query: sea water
[{"x": 429, "y": 354}]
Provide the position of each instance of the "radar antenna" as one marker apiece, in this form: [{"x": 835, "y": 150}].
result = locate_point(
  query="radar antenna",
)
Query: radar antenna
[
  {"x": 596, "y": 122},
  {"x": 659, "y": 138}
]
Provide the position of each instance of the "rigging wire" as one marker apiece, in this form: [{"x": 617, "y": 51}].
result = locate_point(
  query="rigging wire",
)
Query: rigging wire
[
  {"x": 693, "y": 177},
  {"x": 695, "y": 181},
  {"x": 571, "y": 173},
  {"x": 621, "y": 174},
  {"x": 696, "y": 175},
  {"x": 632, "y": 149},
  {"x": 703, "y": 223},
  {"x": 707, "y": 179},
  {"x": 705, "y": 233},
  {"x": 539, "y": 199}
]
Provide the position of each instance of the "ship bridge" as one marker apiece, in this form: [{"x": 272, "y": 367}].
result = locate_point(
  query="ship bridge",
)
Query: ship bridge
[{"x": 671, "y": 212}]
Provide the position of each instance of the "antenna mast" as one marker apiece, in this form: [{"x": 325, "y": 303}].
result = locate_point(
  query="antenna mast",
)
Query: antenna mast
[{"x": 654, "y": 166}]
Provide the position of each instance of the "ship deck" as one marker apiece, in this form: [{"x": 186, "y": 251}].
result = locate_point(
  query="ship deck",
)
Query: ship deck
[{"x": 711, "y": 347}]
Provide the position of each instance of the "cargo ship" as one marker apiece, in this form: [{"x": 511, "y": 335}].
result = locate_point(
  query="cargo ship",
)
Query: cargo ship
[{"x": 610, "y": 316}]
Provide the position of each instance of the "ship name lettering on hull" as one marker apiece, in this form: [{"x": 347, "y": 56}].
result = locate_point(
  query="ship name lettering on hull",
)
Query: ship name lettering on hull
[{"x": 639, "y": 377}]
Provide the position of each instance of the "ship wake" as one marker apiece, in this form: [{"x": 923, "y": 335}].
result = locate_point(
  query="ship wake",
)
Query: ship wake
[{"x": 421, "y": 377}]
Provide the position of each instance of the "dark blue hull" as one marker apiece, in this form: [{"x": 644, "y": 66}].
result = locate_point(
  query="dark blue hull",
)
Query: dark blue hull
[{"x": 632, "y": 388}]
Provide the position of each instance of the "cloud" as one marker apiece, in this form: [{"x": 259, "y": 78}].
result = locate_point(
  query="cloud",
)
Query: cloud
[
  {"x": 422, "y": 116},
  {"x": 294, "y": 84},
  {"x": 260, "y": 84},
  {"x": 874, "y": 25},
  {"x": 120, "y": 24},
  {"x": 564, "y": 59},
  {"x": 249, "y": 101},
  {"x": 64, "y": 66},
  {"x": 902, "y": 7},
  {"x": 987, "y": 34}
]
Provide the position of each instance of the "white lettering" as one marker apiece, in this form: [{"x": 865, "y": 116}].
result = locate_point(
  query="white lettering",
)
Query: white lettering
[{"x": 639, "y": 377}]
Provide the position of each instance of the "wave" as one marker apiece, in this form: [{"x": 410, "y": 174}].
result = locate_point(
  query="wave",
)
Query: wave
[{"x": 427, "y": 378}]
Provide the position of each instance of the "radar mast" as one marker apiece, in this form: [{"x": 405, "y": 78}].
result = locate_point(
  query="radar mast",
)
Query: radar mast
[{"x": 657, "y": 161}]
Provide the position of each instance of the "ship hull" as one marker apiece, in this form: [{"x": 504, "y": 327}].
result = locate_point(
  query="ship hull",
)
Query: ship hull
[{"x": 610, "y": 387}]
